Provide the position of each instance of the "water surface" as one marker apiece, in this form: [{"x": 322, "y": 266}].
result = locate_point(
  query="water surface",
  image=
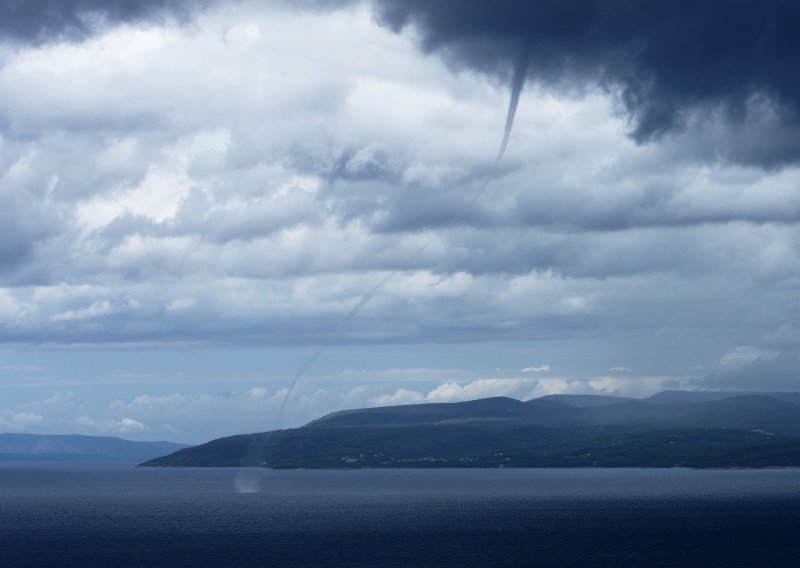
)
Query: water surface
[{"x": 574, "y": 517}]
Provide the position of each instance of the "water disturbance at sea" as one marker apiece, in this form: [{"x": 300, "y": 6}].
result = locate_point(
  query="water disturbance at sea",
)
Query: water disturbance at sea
[{"x": 409, "y": 518}]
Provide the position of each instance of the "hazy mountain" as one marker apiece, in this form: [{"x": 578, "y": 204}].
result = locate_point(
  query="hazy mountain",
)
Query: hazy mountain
[
  {"x": 673, "y": 396},
  {"x": 37, "y": 447},
  {"x": 745, "y": 412},
  {"x": 496, "y": 408},
  {"x": 579, "y": 399},
  {"x": 740, "y": 430}
]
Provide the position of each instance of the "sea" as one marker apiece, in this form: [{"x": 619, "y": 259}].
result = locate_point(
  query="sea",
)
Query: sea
[{"x": 83, "y": 516}]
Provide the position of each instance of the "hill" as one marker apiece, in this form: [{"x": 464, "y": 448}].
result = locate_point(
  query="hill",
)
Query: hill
[
  {"x": 751, "y": 430},
  {"x": 579, "y": 399},
  {"x": 38, "y": 447},
  {"x": 679, "y": 396}
]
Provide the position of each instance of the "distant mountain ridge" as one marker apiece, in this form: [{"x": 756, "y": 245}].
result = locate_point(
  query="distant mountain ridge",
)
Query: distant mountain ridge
[
  {"x": 580, "y": 399},
  {"x": 44, "y": 447},
  {"x": 738, "y": 411},
  {"x": 680, "y": 396},
  {"x": 686, "y": 428}
]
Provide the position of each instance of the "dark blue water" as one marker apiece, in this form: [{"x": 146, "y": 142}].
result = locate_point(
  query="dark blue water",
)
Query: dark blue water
[{"x": 487, "y": 518}]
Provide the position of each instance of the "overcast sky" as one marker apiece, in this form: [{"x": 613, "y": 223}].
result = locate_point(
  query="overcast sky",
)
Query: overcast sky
[{"x": 193, "y": 198}]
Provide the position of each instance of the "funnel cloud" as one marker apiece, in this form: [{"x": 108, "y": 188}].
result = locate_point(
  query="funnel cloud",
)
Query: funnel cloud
[
  {"x": 517, "y": 84},
  {"x": 666, "y": 62}
]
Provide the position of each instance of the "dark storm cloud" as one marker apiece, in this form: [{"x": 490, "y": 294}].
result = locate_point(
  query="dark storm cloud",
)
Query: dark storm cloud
[
  {"x": 666, "y": 61},
  {"x": 39, "y": 21}
]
